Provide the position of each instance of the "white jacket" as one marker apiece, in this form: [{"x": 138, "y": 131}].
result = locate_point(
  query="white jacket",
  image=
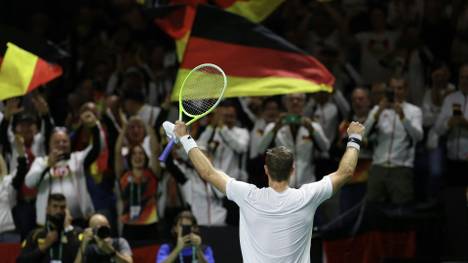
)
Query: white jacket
[
  {"x": 72, "y": 184},
  {"x": 205, "y": 201},
  {"x": 7, "y": 202},
  {"x": 231, "y": 148},
  {"x": 302, "y": 147},
  {"x": 457, "y": 139},
  {"x": 396, "y": 139}
]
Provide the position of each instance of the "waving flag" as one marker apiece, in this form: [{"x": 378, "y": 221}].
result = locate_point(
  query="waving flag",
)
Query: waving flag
[
  {"x": 257, "y": 61},
  {"x": 22, "y": 72}
]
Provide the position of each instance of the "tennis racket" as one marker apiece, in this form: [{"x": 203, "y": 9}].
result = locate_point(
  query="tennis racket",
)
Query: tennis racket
[{"x": 201, "y": 92}]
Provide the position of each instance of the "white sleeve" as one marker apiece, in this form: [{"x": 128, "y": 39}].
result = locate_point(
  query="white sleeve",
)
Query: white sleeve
[
  {"x": 238, "y": 141},
  {"x": 237, "y": 191},
  {"x": 319, "y": 137},
  {"x": 35, "y": 172},
  {"x": 317, "y": 192}
]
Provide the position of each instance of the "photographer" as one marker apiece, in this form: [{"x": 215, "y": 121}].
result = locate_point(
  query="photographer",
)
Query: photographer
[
  {"x": 298, "y": 133},
  {"x": 64, "y": 172},
  {"x": 397, "y": 125},
  {"x": 98, "y": 246},
  {"x": 453, "y": 122},
  {"x": 186, "y": 245},
  {"x": 57, "y": 241}
]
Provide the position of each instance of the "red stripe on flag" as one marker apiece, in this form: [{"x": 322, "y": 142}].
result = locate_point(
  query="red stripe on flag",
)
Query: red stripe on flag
[
  {"x": 245, "y": 61},
  {"x": 43, "y": 73},
  {"x": 177, "y": 23}
]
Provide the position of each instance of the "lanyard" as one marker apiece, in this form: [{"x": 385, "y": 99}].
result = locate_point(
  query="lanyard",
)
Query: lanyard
[
  {"x": 194, "y": 257},
  {"x": 51, "y": 251},
  {"x": 132, "y": 190}
]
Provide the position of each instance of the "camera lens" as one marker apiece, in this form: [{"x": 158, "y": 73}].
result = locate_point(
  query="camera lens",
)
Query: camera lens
[{"x": 103, "y": 232}]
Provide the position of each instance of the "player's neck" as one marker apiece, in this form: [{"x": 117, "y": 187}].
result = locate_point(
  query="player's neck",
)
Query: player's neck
[{"x": 278, "y": 186}]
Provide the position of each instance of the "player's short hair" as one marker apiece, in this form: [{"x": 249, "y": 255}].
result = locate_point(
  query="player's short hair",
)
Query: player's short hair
[{"x": 279, "y": 161}]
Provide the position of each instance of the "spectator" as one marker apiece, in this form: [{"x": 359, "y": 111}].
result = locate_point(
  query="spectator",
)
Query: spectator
[
  {"x": 227, "y": 142},
  {"x": 17, "y": 121},
  {"x": 453, "y": 122},
  {"x": 229, "y": 145},
  {"x": 98, "y": 246},
  {"x": 398, "y": 127},
  {"x": 138, "y": 188},
  {"x": 186, "y": 244},
  {"x": 268, "y": 113},
  {"x": 377, "y": 92},
  {"x": 10, "y": 184},
  {"x": 64, "y": 172},
  {"x": 57, "y": 240},
  {"x": 353, "y": 192},
  {"x": 375, "y": 45},
  {"x": 134, "y": 105},
  {"x": 298, "y": 133},
  {"x": 206, "y": 202},
  {"x": 440, "y": 87}
]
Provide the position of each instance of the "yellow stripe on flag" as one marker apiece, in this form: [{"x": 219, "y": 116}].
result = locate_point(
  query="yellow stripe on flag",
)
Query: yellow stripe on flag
[
  {"x": 181, "y": 44},
  {"x": 254, "y": 10},
  {"x": 16, "y": 71},
  {"x": 262, "y": 86}
]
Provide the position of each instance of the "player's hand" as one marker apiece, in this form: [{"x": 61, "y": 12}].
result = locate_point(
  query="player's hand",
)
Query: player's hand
[
  {"x": 180, "y": 129},
  {"x": 356, "y": 128}
]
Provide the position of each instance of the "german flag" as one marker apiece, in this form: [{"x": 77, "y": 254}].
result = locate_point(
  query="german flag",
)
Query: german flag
[
  {"x": 257, "y": 62},
  {"x": 22, "y": 71},
  {"x": 177, "y": 18}
]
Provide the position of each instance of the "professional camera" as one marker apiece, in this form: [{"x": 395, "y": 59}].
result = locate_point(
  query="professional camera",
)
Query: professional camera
[
  {"x": 56, "y": 222},
  {"x": 102, "y": 232}
]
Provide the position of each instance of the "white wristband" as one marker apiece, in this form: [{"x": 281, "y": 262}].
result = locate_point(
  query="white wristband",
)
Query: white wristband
[
  {"x": 356, "y": 136},
  {"x": 354, "y": 145},
  {"x": 188, "y": 143}
]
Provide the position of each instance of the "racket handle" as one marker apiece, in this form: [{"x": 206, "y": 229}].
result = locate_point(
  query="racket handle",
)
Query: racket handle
[{"x": 167, "y": 151}]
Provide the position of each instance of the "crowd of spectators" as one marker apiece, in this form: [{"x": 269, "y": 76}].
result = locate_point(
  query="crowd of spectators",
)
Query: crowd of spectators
[{"x": 91, "y": 138}]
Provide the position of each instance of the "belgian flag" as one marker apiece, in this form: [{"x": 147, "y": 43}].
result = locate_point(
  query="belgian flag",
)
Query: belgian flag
[
  {"x": 257, "y": 61},
  {"x": 20, "y": 70}
]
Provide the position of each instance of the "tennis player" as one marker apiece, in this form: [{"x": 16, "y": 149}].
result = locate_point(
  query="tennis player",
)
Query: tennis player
[{"x": 275, "y": 222}]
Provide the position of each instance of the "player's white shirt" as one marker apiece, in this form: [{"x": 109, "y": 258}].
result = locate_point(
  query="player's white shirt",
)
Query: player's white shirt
[{"x": 277, "y": 227}]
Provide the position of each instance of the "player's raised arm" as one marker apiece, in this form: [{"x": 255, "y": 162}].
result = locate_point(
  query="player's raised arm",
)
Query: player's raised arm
[
  {"x": 349, "y": 160},
  {"x": 201, "y": 163}
]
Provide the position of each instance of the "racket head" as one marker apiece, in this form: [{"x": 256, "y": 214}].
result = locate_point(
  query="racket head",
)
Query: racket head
[{"x": 202, "y": 90}]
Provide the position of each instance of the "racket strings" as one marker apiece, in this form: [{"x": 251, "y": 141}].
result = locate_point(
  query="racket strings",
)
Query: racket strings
[{"x": 202, "y": 89}]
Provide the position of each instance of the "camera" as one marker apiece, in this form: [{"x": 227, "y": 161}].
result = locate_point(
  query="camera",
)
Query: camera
[
  {"x": 56, "y": 222},
  {"x": 102, "y": 232},
  {"x": 186, "y": 230},
  {"x": 292, "y": 119},
  {"x": 456, "y": 110}
]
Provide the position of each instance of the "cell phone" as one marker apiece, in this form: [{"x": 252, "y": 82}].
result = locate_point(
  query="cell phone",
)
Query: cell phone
[
  {"x": 292, "y": 119},
  {"x": 456, "y": 110},
  {"x": 186, "y": 230}
]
